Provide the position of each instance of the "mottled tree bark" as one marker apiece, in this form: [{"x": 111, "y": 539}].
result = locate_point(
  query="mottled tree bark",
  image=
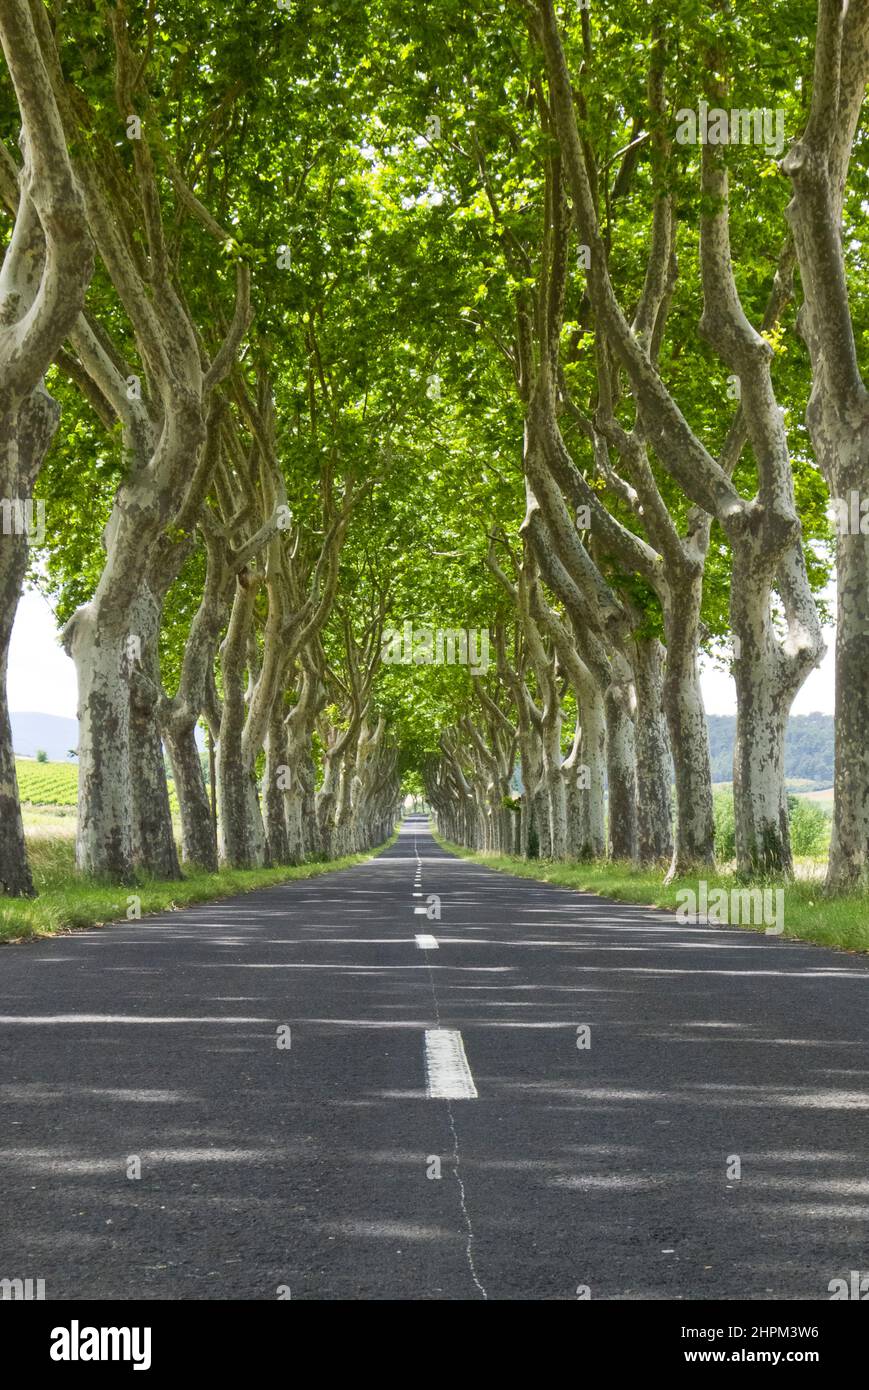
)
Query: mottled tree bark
[
  {"x": 769, "y": 524},
  {"x": 45, "y": 273},
  {"x": 654, "y": 763},
  {"x": 838, "y": 409},
  {"x": 24, "y": 441}
]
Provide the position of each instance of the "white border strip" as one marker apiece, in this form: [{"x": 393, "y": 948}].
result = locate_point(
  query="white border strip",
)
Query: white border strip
[{"x": 447, "y": 1074}]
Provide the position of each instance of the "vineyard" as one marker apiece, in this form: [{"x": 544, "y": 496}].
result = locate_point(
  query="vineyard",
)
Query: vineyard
[{"x": 56, "y": 784}]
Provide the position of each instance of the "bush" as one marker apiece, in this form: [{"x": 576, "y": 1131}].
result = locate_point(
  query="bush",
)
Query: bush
[
  {"x": 810, "y": 827},
  {"x": 725, "y": 826},
  {"x": 41, "y": 755}
]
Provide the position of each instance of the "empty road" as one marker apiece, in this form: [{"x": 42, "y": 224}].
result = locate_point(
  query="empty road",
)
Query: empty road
[{"x": 253, "y": 1099}]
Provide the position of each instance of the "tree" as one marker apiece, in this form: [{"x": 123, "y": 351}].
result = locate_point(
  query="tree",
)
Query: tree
[
  {"x": 838, "y": 409},
  {"x": 45, "y": 272}
]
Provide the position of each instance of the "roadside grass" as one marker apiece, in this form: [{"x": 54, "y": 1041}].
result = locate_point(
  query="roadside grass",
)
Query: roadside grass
[
  {"x": 842, "y": 923},
  {"x": 68, "y": 899}
]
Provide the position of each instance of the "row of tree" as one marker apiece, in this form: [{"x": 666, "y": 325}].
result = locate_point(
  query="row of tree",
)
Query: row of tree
[
  {"x": 199, "y": 507},
  {"x": 624, "y": 490},
  {"x": 351, "y": 320}
]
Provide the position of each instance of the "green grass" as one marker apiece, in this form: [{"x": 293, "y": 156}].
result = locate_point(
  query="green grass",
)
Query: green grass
[
  {"x": 56, "y": 784},
  {"x": 67, "y": 899},
  {"x": 808, "y": 915}
]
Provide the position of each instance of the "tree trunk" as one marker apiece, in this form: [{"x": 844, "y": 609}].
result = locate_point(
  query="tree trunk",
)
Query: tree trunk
[
  {"x": 849, "y": 848},
  {"x": 24, "y": 439},
  {"x": 154, "y": 848},
  {"x": 241, "y": 836},
  {"x": 590, "y": 779},
  {"x": 556, "y": 809},
  {"x": 654, "y": 764},
  {"x": 694, "y": 847},
  {"x": 104, "y": 843},
  {"x": 198, "y": 838},
  {"x": 277, "y": 776},
  {"x": 766, "y": 681},
  {"x": 621, "y": 775},
  {"x": 759, "y": 799},
  {"x": 15, "y": 876}
]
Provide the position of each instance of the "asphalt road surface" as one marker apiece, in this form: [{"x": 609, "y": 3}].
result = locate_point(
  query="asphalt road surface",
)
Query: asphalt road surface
[{"x": 709, "y": 1141}]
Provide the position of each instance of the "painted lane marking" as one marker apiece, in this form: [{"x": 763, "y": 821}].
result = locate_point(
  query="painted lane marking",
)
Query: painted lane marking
[
  {"x": 447, "y": 1074},
  {"x": 427, "y": 943},
  {"x": 420, "y": 911}
]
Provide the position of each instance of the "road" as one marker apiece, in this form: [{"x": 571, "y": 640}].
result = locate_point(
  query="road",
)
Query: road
[{"x": 309, "y": 1170}]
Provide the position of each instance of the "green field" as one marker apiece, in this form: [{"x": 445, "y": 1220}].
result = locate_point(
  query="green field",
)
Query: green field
[{"x": 56, "y": 784}]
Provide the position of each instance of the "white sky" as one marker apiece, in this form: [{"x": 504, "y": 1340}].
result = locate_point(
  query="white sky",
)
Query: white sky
[
  {"x": 42, "y": 677},
  {"x": 816, "y": 696}
]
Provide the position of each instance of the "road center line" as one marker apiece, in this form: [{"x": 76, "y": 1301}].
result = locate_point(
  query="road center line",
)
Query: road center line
[{"x": 448, "y": 1076}]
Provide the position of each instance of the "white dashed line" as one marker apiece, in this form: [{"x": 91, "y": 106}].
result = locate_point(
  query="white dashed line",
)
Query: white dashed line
[
  {"x": 448, "y": 1076},
  {"x": 427, "y": 943}
]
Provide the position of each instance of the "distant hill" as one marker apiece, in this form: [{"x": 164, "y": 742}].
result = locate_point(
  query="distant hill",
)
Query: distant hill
[
  {"x": 808, "y": 750},
  {"x": 808, "y": 747},
  {"x": 51, "y": 732}
]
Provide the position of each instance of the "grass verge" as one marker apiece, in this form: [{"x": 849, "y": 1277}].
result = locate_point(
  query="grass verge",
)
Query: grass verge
[
  {"x": 68, "y": 900},
  {"x": 842, "y": 923}
]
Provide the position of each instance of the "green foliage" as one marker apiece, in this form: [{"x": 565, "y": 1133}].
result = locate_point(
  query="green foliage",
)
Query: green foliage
[
  {"x": 809, "y": 824},
  {"x": 810, "y": 828},
  {"x": 397, "y": 157},
  {"x": 725, "y": 827}
]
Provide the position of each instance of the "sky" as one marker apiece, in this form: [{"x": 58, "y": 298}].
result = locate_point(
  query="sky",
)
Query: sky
[{"x": 42, "y": 678}]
